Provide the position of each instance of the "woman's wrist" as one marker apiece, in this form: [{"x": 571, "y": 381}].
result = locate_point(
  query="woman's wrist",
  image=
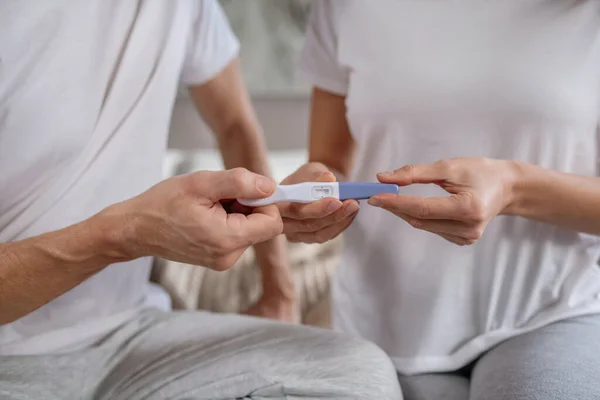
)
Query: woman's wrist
[
  {"x": 528, "y": 188},
  {"x": 277, "y": 277}
]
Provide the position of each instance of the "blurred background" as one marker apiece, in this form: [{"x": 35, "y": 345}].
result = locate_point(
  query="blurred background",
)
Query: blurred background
[{"x": 271, "y": 33}]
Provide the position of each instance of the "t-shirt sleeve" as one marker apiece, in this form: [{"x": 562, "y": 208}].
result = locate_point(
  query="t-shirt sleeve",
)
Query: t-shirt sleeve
[
  {"x": 212, "y": 45},
  {"x": 318, "y": 62}
]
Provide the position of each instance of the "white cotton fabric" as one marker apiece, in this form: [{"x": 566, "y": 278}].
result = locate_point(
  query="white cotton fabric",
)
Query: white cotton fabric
[
  {"x": 427, "y": 80},
  {"x": 86, "y": 93}
]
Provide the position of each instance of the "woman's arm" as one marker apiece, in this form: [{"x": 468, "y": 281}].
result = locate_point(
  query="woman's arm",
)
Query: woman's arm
[
  {"x": 331, "y": 154},
  {"x": 331, "y": 143},
  {"x": 568, "y": 200},
  {"x": 225, "y": 105},
  {"x": 482, "y": 188}
]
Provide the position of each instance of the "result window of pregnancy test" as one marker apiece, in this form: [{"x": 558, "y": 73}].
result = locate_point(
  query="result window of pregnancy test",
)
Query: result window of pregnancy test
[{"x": 321, "y": 192}]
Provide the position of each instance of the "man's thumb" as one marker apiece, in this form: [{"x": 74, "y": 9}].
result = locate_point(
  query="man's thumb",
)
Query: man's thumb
[{"x": 239, "y": 183}]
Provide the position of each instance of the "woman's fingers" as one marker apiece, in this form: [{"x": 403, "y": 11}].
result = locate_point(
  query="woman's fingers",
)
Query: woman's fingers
[
  {"x": 454, "y": 231},
  {"x": 421, "y": 173},
  {"x": 456, "y": 240},
  {"x": 458, "y": 207},
  {"x": 307, "y": 225},
  {"x": 325, "y": 234}
]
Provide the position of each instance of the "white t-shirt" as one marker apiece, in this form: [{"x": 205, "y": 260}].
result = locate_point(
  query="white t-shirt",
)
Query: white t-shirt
[
  {"x": 86, "y": 94},
  {"x": 427, "y": 80}
]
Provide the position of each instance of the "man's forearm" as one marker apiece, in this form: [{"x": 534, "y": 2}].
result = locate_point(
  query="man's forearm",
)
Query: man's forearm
[
  {"x": 36, "y": 270},
  {"x": 568, "y": 200}
]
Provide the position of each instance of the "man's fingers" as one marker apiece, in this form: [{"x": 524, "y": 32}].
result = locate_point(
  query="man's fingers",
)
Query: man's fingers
[
  {"x": 232, "y": 184},
  {"x": 227, "y": 261},
  {"x": 263, "y": 224},
  {"x": 451, "y": 207},
  {"x": 419, "y": 173}
]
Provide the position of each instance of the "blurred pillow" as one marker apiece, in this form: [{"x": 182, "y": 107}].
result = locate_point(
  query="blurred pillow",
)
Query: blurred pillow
[{"x": 193, "y": 287}]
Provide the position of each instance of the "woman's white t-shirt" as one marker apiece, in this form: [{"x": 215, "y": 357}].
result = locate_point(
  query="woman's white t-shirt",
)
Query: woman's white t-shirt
[{"x": 426, "y": 80}]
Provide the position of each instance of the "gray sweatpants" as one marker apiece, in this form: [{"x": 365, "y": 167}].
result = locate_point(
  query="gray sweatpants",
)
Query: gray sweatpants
[
  {"x": 558, "y": 362},
  {"x": 196, "y": 355}
]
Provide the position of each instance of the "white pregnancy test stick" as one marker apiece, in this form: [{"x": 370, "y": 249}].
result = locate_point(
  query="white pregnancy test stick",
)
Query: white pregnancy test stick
[{"x": 309, "y": 192}]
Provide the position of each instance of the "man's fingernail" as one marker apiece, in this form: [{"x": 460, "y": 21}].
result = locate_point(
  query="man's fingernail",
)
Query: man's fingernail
[
  {"x": 374, "y": 202},
  {"x": 352, "y": 208},
  {"x": 386, "y": 173},
  {"x": 265, "y": 185},
  {"x": 332, "y": 206}
]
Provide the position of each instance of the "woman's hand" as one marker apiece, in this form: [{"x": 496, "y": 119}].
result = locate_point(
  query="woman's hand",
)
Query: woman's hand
[
  {"x": 278, "y": 307},
  {"x": 320, "y": 221},
  {"x": 480, "y": 189}
]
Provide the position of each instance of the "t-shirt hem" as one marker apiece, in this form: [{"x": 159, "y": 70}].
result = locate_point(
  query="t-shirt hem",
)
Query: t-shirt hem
[
  {"x": 323, "y": 82},
  {"x": 204, "y": 75},
  {"x": 476, "y": 347},
  {"x": 69, "y": 339}
]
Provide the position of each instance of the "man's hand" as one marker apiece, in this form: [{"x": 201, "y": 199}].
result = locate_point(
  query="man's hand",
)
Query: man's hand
[
  {"x": 320, "y": 221},
  {"x": 480, "y": 189},
  {"x": 182, "y": 218}
]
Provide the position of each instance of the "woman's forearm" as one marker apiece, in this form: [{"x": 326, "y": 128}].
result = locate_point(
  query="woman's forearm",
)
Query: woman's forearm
[
  {"x": 225, "y": 104},
  {"x": 568, "y": 200},
  {"x": 331, "y": 143}
]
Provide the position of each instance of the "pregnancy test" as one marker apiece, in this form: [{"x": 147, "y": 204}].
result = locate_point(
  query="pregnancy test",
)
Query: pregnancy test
[{"x": 308, "y": 192}]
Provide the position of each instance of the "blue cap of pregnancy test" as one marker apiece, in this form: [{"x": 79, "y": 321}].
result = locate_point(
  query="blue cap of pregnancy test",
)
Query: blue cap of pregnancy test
[{"x": 365, "y": 190}]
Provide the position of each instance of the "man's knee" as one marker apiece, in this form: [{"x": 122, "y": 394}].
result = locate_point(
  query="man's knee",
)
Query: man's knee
[{"x": 357, "y": 368}]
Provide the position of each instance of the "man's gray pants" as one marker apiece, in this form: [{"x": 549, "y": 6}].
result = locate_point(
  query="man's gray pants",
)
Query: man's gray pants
[
  {"x": 197, "y": 355},
  {"x": 187, "y": 356}
]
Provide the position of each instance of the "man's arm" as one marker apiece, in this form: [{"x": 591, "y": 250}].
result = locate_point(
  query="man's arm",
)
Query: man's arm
[
  {"x": 36, "y": 270},
  {"x": 225, "y": 105},
  {"x": 180, "y": 219}
]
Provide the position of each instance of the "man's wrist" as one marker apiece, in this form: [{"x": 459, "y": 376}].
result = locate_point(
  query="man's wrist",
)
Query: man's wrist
[
  {"x": 116, "y": 232},
  {"x": 86, "y": 246}
]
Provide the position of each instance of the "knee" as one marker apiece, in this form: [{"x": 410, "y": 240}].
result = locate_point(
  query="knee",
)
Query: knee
[{"x": 366, "y": 369}]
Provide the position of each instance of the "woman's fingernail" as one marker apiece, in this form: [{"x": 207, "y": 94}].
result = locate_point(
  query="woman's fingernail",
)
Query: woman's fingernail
[
  {"x": 386, "y": 173},
  {"x": 374, "y": 202},
  {"x": 352, "y": 208},
  {"x": 332, "y": 206},
  {"x": 326, "y": 177}
]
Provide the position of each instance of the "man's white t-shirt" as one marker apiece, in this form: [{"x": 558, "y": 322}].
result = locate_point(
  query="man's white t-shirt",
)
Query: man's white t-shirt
[
  {"x": 86, "y": 94},
  {"x": 428, "y": 80}
]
